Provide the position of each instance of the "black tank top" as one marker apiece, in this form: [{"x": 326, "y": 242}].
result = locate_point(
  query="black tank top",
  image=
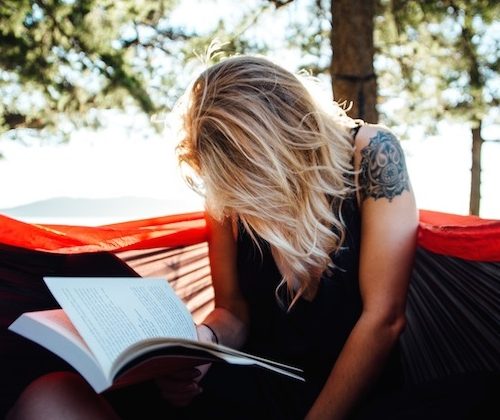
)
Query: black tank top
[{"x": 312, "y": 334}]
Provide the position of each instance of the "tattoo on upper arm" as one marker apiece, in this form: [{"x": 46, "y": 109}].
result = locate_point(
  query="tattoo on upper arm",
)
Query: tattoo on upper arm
[{"x": 383, "y": 168}]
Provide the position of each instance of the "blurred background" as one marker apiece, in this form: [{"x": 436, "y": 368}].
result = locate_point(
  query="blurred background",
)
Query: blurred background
[{"x": 86, "y": 88}]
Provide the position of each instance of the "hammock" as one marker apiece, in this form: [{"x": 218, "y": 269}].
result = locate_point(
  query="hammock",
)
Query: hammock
[{"x": 453, "y": 303}]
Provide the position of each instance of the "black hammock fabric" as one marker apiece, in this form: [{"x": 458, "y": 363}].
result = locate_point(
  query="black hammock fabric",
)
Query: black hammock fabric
[
  {"x": 453, "y": 321},
  {"x": 452, "y": 312}
]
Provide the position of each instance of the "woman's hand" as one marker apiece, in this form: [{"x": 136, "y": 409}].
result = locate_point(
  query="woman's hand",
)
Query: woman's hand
[{"x": 181, "y": 387}]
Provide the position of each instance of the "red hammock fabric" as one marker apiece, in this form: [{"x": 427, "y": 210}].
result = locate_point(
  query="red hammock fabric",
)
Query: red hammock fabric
[
  {"x": 453, "y": 302},
  {"x": 466, "y": 237},
  {"x": 168, "y": 231}
]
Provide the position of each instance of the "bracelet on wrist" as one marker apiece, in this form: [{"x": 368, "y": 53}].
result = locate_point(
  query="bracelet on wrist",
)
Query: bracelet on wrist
[{"x": 213, "y": 332}]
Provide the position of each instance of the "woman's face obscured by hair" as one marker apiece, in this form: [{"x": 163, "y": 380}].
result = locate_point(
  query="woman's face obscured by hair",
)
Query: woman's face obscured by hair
[
  {"x": 267, "y": 152},
  {"x": 246, "y": 126}
]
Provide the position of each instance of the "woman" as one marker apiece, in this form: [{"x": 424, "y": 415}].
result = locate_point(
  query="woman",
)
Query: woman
[{"x": 312, "y": 227}]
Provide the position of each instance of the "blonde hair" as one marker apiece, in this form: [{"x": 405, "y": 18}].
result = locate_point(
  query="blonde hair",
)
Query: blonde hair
[{"x": 268, "y": 152}]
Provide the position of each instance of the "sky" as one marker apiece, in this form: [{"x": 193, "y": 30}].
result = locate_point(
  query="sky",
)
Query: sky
[
  {"x": 122, "y": 160},
  {"x": 119, "y": 162}
]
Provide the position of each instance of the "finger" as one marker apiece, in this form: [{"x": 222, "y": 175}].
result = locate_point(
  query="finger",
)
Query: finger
[
  {"x": 184, "y": 374},
  {"x": 180, "y": 402},
  {"x": 174, "y": 386},
  {"x": 180, "y": 399},
  {"x": 193, "y": 389},
  {"x": 203, "y": 367}
]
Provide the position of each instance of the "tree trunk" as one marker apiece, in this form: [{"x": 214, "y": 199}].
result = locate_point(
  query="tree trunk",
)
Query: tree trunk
[
  {"x": 475, "y": 184},
  {"x": 353, "y": 77}
]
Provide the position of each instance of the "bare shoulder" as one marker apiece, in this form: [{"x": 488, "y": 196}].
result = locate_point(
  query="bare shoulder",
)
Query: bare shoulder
[
  {"x": 367, "y": 132},
  {"x": 381, "y": 163}
]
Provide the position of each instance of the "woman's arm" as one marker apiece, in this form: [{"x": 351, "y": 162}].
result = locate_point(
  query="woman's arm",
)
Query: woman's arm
[
  {"x": 226, "y": 324},
  {"x": 229, "y": 318},
  {"x": 388, "y": 238}
]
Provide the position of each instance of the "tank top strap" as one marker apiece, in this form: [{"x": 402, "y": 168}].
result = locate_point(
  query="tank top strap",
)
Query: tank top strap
[{"x": 355, "y": 129}]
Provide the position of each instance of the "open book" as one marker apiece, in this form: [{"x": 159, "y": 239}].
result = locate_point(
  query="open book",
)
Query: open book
[{"x": 123, "y": 330}]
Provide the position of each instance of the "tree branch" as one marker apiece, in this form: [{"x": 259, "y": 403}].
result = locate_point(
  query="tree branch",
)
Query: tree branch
[
  {"x": 17, "y": 120},
  {"x": 280, "y": 3}
]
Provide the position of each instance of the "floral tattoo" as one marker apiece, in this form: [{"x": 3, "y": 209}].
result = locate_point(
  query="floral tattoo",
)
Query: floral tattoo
[{"x": 383, "y": 168}]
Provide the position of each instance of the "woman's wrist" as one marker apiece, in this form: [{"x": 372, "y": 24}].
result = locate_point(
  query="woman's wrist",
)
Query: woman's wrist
[{"x": 207, "y": 333}]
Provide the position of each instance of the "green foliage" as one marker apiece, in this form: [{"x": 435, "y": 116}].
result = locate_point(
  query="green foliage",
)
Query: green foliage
[
  {"x": 231, "y": 35},
  {"x": 69, "y": 56},
  {"x": 435, "y": 59},
  {"x": 439, "y": 59},
  {"x": 309, "y": 31},
  {"x": 59, "y": 59}
]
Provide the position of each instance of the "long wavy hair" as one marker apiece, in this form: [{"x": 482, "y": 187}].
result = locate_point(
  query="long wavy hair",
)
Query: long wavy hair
[{"x": 269, "y": 152}]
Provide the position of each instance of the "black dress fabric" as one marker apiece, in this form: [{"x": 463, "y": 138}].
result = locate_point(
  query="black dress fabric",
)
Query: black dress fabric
[{"x": 311, "y": 334}]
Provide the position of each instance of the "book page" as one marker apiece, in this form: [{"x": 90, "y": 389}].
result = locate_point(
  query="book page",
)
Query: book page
[
  {"x": 198, "y": 353},
  {"x": 113, "y": 313},
  {"x": 57, "y": 320},
  {"x": 53, "y": 330}
]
